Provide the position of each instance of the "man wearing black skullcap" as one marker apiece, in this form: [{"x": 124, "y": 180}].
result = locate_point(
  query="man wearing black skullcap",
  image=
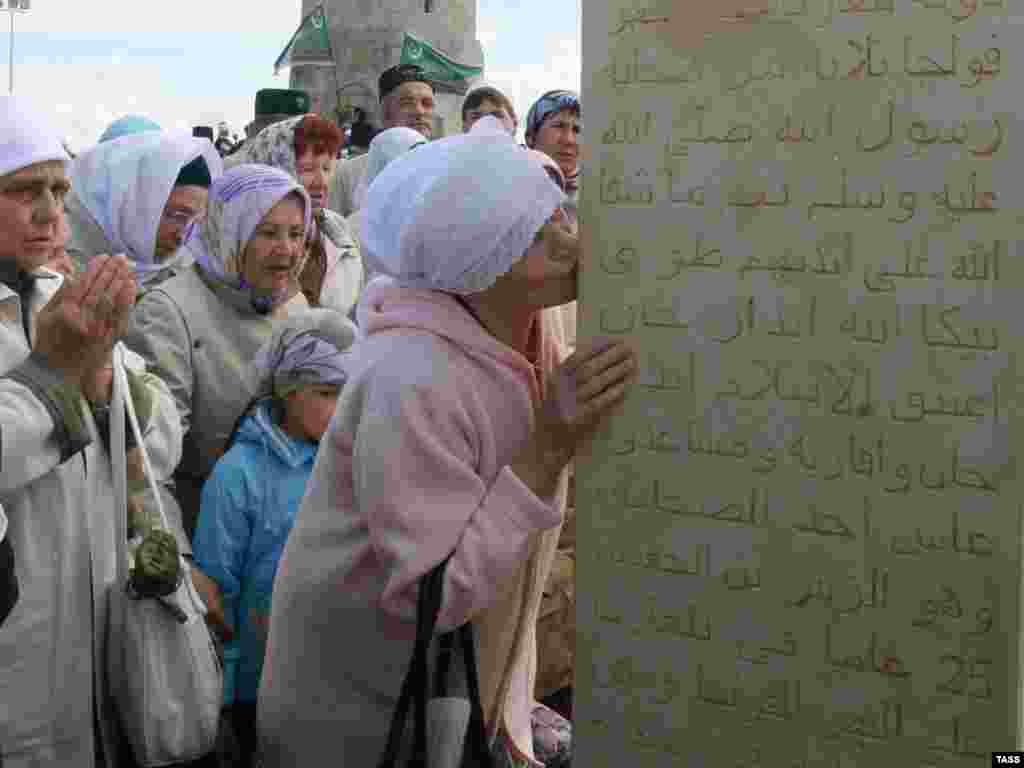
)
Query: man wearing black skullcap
[{"x": 407, "y": 99}]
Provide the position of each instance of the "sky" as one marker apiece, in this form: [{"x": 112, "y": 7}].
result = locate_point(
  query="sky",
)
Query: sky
[{"x": 86, "y": 64}]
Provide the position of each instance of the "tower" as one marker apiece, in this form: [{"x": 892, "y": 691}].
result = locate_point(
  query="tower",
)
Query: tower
[{"x": 366, "y": 38}]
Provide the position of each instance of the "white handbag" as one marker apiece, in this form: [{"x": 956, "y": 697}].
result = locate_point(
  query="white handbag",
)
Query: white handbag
[{"x": 162, "y": 666}]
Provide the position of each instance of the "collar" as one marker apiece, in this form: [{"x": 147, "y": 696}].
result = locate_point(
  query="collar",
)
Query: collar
[{"x": 17, "y": 282}]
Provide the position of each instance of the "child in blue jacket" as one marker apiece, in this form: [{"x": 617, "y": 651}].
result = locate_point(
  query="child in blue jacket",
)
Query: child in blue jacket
[{"x": 252, "y": 496}]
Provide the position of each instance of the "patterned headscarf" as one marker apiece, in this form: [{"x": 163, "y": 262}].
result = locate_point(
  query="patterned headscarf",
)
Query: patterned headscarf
[
  {"x": 275, "y": 146},
  {"x": 238, "y": 202},
  {"x": 306, "y": 348},
  {"x": 551, "y": 103}
]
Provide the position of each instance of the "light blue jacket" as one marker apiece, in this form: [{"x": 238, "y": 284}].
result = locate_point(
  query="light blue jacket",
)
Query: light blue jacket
[{"x": 249, "y": 504}]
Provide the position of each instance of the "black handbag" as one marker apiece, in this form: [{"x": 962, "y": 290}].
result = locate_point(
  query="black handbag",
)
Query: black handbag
[{"x": 416, "y": 686}]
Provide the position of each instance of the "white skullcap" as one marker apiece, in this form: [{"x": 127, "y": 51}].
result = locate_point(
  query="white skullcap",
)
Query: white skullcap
[
  {"x": 26, "y": 136},
  {"x": 457, "y": 213}
]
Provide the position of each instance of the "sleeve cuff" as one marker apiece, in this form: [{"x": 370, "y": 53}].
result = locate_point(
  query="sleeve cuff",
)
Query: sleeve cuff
[
  {"x": 521, "y": 504},
  {"x": 63, "y": 401}
]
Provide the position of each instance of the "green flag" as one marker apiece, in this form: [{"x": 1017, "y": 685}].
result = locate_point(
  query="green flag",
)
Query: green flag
[
  {"x": 435, "y": 65},
  {"x": 309, "y": 45}
]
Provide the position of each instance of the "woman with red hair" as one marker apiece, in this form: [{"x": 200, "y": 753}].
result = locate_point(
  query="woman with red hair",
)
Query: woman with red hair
[{"x": 306, "y": 148}]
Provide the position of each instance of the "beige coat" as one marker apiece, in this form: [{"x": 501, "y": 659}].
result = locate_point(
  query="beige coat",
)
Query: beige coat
[
  {"x": 201, "y": 343},
  {"x": 56, "y": 488}
]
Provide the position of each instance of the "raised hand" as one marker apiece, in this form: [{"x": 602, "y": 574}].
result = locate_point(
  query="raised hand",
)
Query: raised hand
[{"x": 77, "y": 329}]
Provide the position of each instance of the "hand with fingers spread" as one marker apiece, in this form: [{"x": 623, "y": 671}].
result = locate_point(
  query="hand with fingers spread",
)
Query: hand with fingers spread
[
  {"x": 77, "y": 329},
  {"x": 580, "y": 395}
]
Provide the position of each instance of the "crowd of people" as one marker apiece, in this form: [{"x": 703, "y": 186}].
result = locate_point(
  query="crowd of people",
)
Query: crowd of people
[{"x": 345, "y": 373}]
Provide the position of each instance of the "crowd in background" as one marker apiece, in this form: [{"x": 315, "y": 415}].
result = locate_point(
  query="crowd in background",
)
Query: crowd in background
[{"x": 346, "y": 372}]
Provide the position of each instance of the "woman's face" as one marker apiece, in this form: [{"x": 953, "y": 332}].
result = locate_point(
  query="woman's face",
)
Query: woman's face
[
  {"x": 558, "y": 138},
  {"x": 548, "y": 272},
  {"x": 275, "y": 248},
  {"x": 314, "y": 173}
]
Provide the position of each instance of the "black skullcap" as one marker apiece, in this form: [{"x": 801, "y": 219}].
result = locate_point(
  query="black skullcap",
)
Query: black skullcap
[
  {"x": 362, "y": 134},
  {"x": 403, "y": 73},
  {"x": 195, "y": 174}
]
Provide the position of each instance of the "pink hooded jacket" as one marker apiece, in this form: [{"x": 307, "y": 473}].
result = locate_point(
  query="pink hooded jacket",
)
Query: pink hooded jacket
[{"x": 413, "y": 467}]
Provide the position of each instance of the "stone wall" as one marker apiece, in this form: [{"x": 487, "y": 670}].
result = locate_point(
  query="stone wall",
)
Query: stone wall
[{"x": 366, "y": 36}]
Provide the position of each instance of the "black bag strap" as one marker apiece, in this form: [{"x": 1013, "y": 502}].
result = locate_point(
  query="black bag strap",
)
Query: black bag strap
[
  {"x": 416, "y": 685},
  {"x": 476, "y": 735}
]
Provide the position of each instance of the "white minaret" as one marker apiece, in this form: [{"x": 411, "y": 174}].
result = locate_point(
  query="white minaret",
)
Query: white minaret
[{"x": 366, "y": 37}]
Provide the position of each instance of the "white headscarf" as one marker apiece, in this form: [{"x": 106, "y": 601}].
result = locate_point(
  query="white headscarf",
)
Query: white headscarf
[
  {"x": 26, "y": 136},
  {"x": 385, "y": 147},
  {"x": 124, "y": 185},
  {"x": 457, "y": 213}
]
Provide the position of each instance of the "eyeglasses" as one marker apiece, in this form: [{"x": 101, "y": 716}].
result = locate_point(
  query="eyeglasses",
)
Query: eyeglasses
[{"x": 182, "y": 218}]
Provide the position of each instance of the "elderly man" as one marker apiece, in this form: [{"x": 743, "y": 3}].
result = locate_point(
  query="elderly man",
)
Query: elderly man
[
  {"x": 407, "y": 99},
  {"x": 56, "y": 484}
]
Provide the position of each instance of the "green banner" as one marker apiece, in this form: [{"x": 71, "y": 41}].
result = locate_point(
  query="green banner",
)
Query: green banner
[
  {"x": 435, "y": 64},
  {"x": 309, "y": 45}
]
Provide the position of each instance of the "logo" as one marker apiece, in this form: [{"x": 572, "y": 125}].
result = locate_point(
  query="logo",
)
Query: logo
[
  {"x": 1007, "y": 758},
  {"x": 414, "y": 50},
  {"x": 318, "y": 20}
]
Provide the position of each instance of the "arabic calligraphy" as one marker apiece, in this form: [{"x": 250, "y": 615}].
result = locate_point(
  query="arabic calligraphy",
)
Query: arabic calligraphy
[
  {"x": 658, "y": 560},
  {"x": 915, "y": 406},
  {"x": 871, "y": 724},
  {"x": 960, "y": 743},
  {"x": 948, "y": 609},
  {"x": 629, "y": 129},
  {"x": 871, "y": 659},
  {"x": 841, "y": 390},
  {"x": 838, "y": 596},
  {"x": 635, "y": 20},
  {"x": 618, "y": 190},
  {"x": 642, "y": 66},
  {"x": 974, "y": 543},
  {"x": 961, "y": 10},
  {"x": 798, "y": 524},
  {"x": 948, "y": 335},
  {"x": 793, "y": 260}
]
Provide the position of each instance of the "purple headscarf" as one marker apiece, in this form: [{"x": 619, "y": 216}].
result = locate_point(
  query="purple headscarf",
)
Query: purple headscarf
[{"x": 237, "y": 204}]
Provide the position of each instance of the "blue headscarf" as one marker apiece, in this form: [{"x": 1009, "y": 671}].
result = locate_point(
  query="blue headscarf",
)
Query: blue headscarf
[
  {"x": 550, "y": 103},
  {"x": 126, "y": 125}
]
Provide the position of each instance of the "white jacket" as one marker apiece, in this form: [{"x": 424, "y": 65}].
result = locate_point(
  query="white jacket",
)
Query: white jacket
[
  {"x": 347, "y": 175},
  {"x": 55, "y": 485}
]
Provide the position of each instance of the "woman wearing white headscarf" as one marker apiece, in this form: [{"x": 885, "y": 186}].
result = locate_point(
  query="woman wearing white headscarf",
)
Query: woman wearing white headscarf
[
  {"x": 201, "y": 329},
  {"x": 137, "y": 195},
  {"x": 386, "y": 146},
  {"x": 448, "y": 439},
  {"x": 306, "y": 147}
]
